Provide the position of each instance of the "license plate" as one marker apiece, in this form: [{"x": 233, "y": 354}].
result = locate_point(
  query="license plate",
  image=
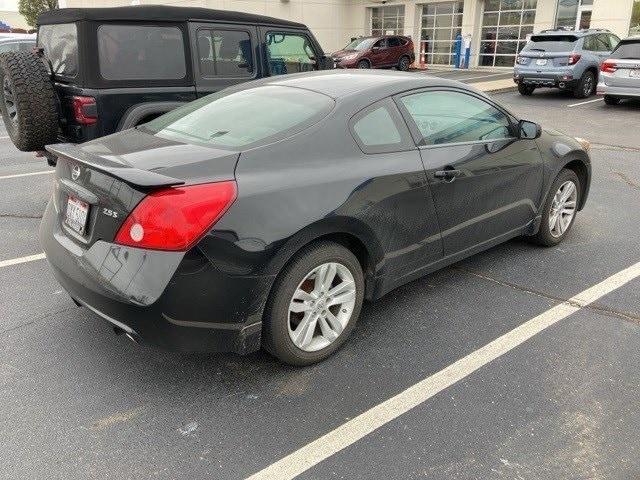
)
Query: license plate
[
  {"x": 541, "y": 61},
  {"x": 76, "y": 214},
  {"x": 634, "y": 73}
]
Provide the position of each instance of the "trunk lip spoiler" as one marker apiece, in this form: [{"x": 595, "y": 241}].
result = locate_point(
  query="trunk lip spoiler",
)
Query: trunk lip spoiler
[{"x": 131, "y": 175}]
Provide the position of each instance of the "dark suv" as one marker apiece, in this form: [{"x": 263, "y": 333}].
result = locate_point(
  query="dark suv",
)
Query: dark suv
[
  {"x": 108, "y": 69},
  {"x": 376, "y": 52}
]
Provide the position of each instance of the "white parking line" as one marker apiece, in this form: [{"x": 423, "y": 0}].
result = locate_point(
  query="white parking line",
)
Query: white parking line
[
  {"x": 350, "y": 432},
  {"x": 19, "y": 260},
  {"x": 18, "y": 175},
  {"x": 584, "y": 103}
]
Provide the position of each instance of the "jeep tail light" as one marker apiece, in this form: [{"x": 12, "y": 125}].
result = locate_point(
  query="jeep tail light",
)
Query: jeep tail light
[
  {"x": 85, "y": 111},
  {"x": 574, "y": 58},
  {"x": 176, "y": 218},
  {"x": 608, "y": 66}
]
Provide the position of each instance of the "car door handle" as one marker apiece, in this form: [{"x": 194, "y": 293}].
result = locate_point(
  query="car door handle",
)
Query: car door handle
[{"x": 449, "y": 174}]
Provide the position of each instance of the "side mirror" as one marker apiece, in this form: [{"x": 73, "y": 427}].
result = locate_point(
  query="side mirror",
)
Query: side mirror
[
  {"x": 326, "y": 63},
  {"x": 375, "y": 49},
  {"x": 529, "y": 130}
]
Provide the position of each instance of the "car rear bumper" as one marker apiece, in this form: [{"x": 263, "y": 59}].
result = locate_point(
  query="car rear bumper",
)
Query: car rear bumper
[
  {"x": 621, "y": 92},
  {"x": 552, "y": 80},
  {"x": 173, "y": 300}
]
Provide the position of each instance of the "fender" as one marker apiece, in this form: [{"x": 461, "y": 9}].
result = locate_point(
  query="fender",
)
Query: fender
[
  {"x": 562, "y": 153},
  {"x": 347, "y": 228},
  {"x": 135, "y": 113}
]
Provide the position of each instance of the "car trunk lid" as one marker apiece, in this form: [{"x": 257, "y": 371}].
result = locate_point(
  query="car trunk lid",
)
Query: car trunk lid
[{"x": 100, "y": 182}]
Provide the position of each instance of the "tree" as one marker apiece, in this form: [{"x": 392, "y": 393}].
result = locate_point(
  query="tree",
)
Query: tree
[{"x": 30, "y": 9}]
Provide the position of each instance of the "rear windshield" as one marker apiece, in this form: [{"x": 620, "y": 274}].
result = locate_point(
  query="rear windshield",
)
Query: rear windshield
[
  {"x": 60, "y": 44},
  {"x": 627, "y": 50},
  {"x": 550, "y": 43},
  {"x": 242, "y": 118},
  {"x": 138, "y": 52}
]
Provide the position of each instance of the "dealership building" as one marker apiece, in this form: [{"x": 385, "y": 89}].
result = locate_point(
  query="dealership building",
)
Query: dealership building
[{"x": 498, "y": 29}]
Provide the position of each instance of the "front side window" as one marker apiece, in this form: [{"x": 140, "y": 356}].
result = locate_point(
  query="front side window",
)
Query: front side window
[
  {"x": 140, "y": 52},
  {"x": 243, "y": 118},
  {"x": 289, "y": 53},
  {"x": 60, "y": 45},
  {"x": 452, "y": 117},
  {"x": 225, "y": 53}
]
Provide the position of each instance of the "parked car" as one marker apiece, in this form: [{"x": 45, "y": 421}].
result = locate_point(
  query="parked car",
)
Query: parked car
[
  {"x": 264, "y": 215},
  {"x": 620, "y": 73},
  {"x": 115, "y": 68},
  {"x": 17, "y": 43},
  {"x": 377, "y": 52},
  {"x": 563, "y": 59}
]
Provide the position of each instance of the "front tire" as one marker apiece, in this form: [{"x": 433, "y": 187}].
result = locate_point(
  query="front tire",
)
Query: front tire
[
  {"x": 586, "y": 86},
  {"x": 362, "y": 64},
  {"x": 560, "y": 209},
  {"x": 609, "y": 100},
  {"x": 314, "y": 304}
]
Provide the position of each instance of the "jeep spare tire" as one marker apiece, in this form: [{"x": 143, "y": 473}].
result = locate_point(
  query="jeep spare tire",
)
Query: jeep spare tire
[{"x": 27, "y": 101}]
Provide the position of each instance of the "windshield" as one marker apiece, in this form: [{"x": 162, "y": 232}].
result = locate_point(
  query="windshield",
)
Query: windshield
[
  {"x": 627, "y": 51},
  {"x": 551, "y": 43},
  {"x": 360, "y": 44},
  {"x": 240, "y": 119}
]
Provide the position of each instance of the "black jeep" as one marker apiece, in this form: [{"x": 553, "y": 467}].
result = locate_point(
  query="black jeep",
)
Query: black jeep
[{"x": 99, "y": 70}]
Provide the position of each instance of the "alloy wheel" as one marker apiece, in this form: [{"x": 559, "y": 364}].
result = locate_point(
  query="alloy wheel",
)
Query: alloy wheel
[
  {"x": 10, "y": 101},
  {"x": 321, "y": 307},
  {"x": 563, "y": 209},
  {"x": 588, "y": 86}
]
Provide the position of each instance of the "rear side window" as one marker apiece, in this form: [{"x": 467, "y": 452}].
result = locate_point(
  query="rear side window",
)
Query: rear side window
[
  {"x": 394, "y": 42},
  {"x": 225, "y": 53},
  {"x": 627, "y": 51},
  {"x": 380, "y": 129},
  {"x": 289, "y": 53},
  {"x": 139, "y": 52},
  {"x": 551, "y": 43},
  {"x": 243, "y": 118},
  {"x": 60, "y": 45},
  {"x": 597, "y": 43}
]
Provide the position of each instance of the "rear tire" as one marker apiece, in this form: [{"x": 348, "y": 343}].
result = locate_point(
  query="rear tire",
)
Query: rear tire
[
  {"x": 364, "y": 64},
  {"x": 548, "y": 236},
  {"x": 586, "y": 86},
  {"x": 525, "y": 90},
  {"x": 403, "y": 63},
  {"x": 28, "y": 101},
  {"x": 281, "y": 324},
  {"x": 609, "y": 100}
]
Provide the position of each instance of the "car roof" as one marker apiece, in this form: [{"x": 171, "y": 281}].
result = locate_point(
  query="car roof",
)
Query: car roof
[
  {"x": 576, "y": 33},
  {"x": 367, "y": 84},
  {"x": 157, "y": 13}
]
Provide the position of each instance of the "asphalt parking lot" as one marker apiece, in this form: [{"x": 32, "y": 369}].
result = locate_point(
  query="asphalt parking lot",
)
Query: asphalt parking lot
[{"x": 79, "y": 402}]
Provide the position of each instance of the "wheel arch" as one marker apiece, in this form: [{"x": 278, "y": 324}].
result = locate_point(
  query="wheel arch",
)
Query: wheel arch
[
  {"x": 583, "y": 170},
  {"x": 349, "y": 232},
  {"x": 136, "y": 113}
]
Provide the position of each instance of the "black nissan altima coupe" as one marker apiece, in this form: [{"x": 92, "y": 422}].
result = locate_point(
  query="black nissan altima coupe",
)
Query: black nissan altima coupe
[{"x": 265, "y": 214}]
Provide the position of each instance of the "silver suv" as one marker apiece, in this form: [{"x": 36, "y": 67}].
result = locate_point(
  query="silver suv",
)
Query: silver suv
[
  {"x": 563, "y": 59},
  {"x": 620, "y": 73}
]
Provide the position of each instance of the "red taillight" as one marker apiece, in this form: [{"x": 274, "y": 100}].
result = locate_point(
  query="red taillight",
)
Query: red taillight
[
  {"x": 176, "y": 218},
  {"x": 608, "y": 66},
  {"x": 84, "y": 110},
  {"x": 574, "y": 58}
]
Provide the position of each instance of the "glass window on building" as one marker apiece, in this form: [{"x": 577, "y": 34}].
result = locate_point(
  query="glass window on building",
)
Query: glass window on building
[
  {"x": 634, "y": 27},
  {"x": 505, "y": 26},
  {"x": 441, "y": 23},
  {"x": 387, "y": 20},
  {"x": 574, "y": 14}
]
